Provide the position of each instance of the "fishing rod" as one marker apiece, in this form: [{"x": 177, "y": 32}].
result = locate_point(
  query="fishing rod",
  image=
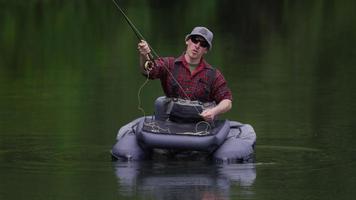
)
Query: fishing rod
[
  {"x": 149, "y": 55},
  {"x": 136, "y": 31}
]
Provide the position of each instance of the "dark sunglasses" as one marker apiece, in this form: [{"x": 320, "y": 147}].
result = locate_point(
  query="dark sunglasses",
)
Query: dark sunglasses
[{"x": 201, "y": 41}]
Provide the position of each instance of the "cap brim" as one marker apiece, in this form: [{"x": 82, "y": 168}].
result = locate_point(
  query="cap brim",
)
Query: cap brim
[{"x": 189, "y": 35}]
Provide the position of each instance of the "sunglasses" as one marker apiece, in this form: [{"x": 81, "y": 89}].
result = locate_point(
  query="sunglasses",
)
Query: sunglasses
[{"x": 201, "y": 41}]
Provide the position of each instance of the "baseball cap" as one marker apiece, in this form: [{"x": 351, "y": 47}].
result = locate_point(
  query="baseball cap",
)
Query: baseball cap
[{"x": 203, "y": 32}]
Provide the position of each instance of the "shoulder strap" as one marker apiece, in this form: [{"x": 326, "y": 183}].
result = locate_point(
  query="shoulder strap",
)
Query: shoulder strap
[
  {"x": 175, "y": 86},
  {"x": 211, "y": 74}
]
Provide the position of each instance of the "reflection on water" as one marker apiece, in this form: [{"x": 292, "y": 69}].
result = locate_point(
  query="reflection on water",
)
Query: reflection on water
[{"x": 183, "y": 180}]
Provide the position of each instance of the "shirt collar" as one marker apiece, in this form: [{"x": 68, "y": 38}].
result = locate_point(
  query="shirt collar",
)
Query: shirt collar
[{"x": 202, "y": 64}]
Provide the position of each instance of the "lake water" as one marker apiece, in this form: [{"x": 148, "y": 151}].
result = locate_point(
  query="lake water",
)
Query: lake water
[{"x": 69, "y": 80}]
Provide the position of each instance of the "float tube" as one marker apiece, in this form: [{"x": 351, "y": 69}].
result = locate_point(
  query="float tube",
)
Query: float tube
[{"x": 223, "y": 140}]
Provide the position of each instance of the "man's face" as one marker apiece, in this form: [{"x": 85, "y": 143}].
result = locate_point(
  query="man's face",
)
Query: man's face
[{"x": 196, "y": 47}]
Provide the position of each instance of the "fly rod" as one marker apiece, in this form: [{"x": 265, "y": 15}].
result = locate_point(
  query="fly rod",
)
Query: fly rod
[
  {"x": 149, "y": 56},
  {"x": 135, "y": 30}
]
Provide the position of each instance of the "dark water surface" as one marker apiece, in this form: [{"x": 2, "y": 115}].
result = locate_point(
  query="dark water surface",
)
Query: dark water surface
[{"x": 69, "y": 80}]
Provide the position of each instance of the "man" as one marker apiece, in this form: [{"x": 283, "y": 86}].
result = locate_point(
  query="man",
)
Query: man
[{"x": 190, "y": 76}]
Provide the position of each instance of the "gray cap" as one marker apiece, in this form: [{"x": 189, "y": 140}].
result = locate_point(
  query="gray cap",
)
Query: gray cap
[{"x": 204, "y": 32}]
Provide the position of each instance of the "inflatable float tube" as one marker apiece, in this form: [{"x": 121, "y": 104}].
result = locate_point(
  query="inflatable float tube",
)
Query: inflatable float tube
[{"x": 226, "y": 141}]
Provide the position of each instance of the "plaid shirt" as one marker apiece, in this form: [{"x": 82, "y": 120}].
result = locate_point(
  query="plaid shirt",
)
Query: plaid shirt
[{"x": 194, "y": 84}]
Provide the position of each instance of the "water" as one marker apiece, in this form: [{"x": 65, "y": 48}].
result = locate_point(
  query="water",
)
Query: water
[{"x": 69, "y": 81}]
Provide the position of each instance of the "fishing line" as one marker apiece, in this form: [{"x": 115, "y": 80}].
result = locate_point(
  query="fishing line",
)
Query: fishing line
[
  {"x": 150, "y": 57},
  {"x": 139, "y": 106}
]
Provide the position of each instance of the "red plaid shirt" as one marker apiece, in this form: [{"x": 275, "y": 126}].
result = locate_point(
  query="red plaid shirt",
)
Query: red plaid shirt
[{"x": 194, "y": 84}]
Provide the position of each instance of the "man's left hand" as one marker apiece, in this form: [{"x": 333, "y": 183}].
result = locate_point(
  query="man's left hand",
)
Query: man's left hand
[{"x": 208, "y": 115}]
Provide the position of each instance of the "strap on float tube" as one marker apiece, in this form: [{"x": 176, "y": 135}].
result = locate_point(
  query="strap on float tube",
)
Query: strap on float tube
[{"x": 150, "y": 63}]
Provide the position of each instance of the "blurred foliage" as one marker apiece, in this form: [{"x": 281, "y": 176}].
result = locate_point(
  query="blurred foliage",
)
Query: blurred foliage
[
  {"x": 69, "y": 79},
  {"x": 287, "y": 62}
]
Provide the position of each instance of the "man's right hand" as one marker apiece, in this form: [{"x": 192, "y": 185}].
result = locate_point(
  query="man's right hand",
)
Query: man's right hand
[{"x": 143, "y": 48}]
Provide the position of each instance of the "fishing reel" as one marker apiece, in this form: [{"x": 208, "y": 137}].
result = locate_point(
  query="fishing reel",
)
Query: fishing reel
[{"x": 149, "y": 64}]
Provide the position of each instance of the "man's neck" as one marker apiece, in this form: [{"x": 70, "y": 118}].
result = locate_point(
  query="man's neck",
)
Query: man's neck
[{"x": 192, "y": 61}]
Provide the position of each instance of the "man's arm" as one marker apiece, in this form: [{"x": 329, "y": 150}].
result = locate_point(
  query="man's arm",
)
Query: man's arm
[{"x": 210, "y": 114}]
